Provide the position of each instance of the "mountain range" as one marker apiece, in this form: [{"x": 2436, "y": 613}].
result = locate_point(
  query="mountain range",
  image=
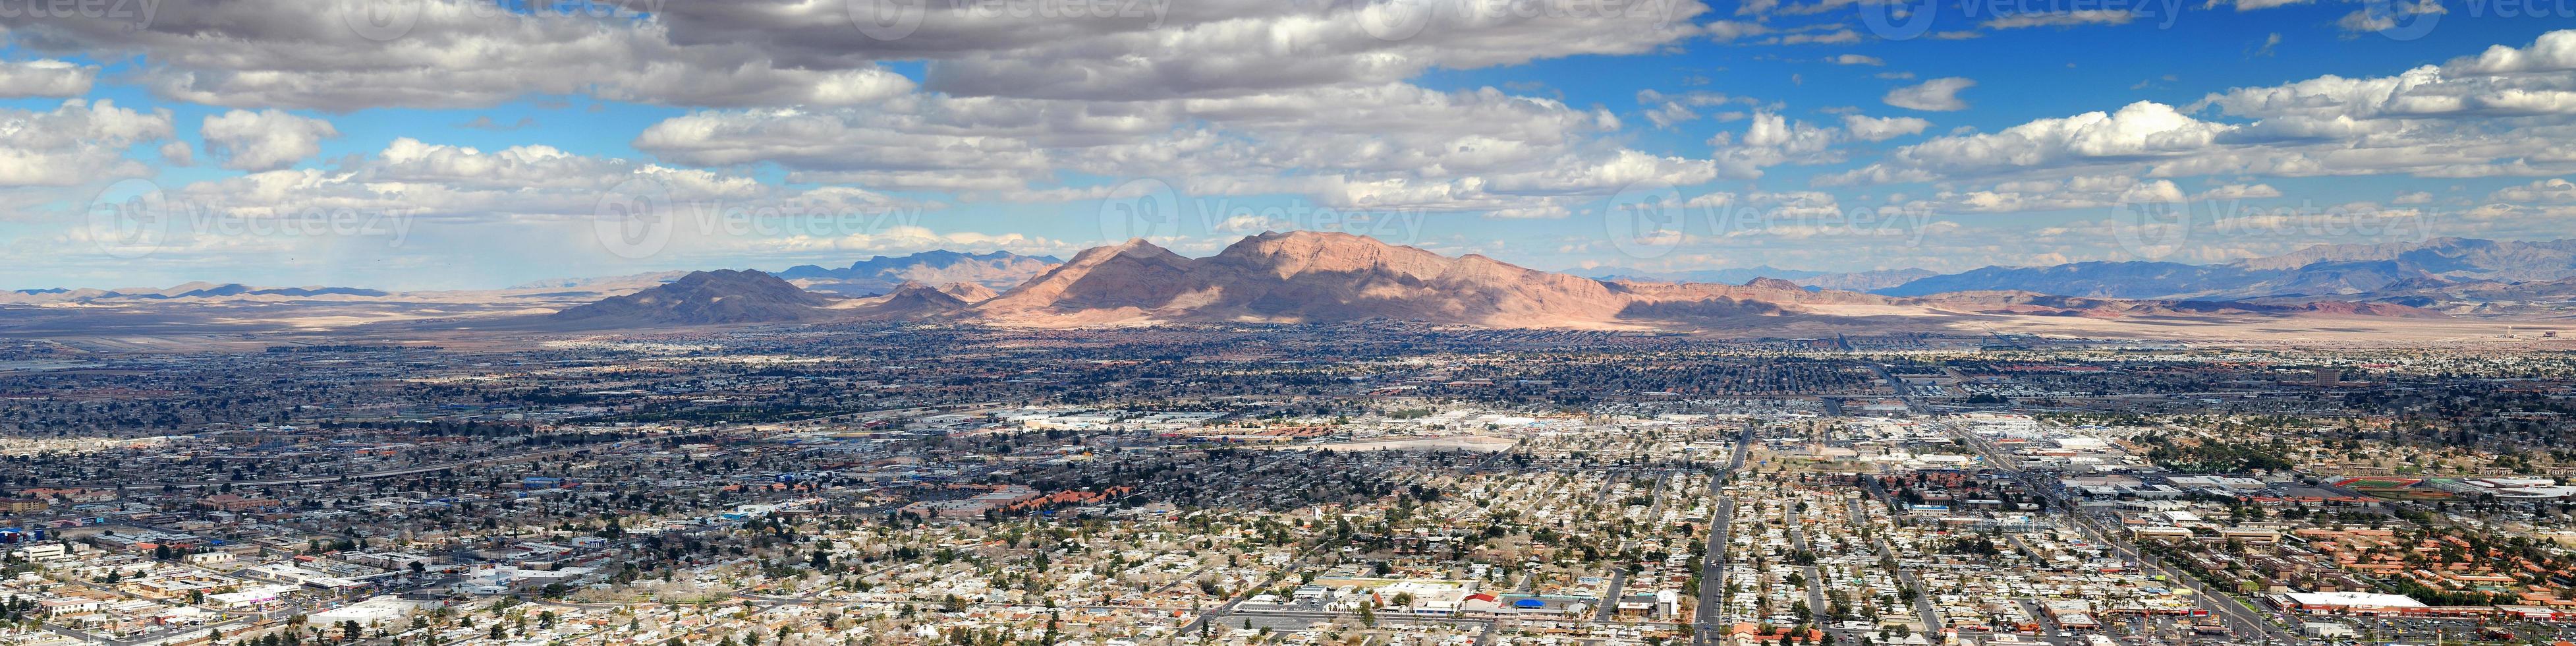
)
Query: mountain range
[
  {"x": 1728, "y": 275},
  {"x": 1299, "y": 277},
  {"x": 2438, "y": 273},
  {"x": 704, "y": 297},
  {"x": 1310, "y": 277},
  {"x": 727, "y": 296},
  {"x": 874, "y": 276},
  {"x": 183, "y": 291},
  {"x": 1852, "y": 281},
  {"x": 882, "y": 274},
  {"x": 2461, "y": 276},
  {"x": 1326, "y": 277}
]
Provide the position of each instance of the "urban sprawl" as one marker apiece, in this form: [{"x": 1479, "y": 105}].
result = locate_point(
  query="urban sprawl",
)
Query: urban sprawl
[{"x": 1358, "y": 485}]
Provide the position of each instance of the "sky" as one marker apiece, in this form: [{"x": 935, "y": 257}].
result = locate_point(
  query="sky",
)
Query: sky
[{"x": 460, "y": 144}]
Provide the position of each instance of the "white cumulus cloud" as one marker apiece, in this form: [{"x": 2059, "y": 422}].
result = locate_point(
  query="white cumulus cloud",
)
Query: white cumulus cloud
[
  {"x": 1936, "y": 95},
  {"x": 263, "y": 140}
]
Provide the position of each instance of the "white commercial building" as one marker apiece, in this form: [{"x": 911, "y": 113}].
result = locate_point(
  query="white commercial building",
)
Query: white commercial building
[{"x": 367, "y": 613}]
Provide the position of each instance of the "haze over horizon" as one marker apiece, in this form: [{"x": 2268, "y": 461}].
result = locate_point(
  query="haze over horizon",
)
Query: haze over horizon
[
  {"x": 456, "y": 144},
  {"x": 1302, "y": 323}
]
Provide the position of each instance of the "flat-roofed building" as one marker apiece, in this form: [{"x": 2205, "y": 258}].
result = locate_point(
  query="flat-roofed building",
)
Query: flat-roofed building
[{"x": 2349, "y": 603}]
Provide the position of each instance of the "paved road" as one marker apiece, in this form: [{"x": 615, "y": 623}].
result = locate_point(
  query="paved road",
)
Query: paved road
[
  {"x": 1608, "y": 482},
  {"x": 2233, "y": 613},
  {"x": 497, "y": 459},
  {"x": 1712, "y": 583},
  {"x": 1619, "y": 575},
  {"x": 1893, "y": 383},
  {"x": 369, "y": 475},
  {"x": 1814, "y": 575},
  {"x": 2230, "y": 611},
  {"x": 1320, "y": 615},
  {"x": 1924, "y": 611},
  {"x": 1196, "y": 623},
  {"x": 1610, "y": 599}
]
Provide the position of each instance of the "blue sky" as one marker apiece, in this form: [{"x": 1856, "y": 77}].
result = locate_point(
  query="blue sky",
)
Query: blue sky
[{"x": 454, "y": 144}]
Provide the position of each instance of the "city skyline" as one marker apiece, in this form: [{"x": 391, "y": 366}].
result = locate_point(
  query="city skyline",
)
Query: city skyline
[
  {"x": 1305, "y": 323},
  {"x": 418, "y": 144}
]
